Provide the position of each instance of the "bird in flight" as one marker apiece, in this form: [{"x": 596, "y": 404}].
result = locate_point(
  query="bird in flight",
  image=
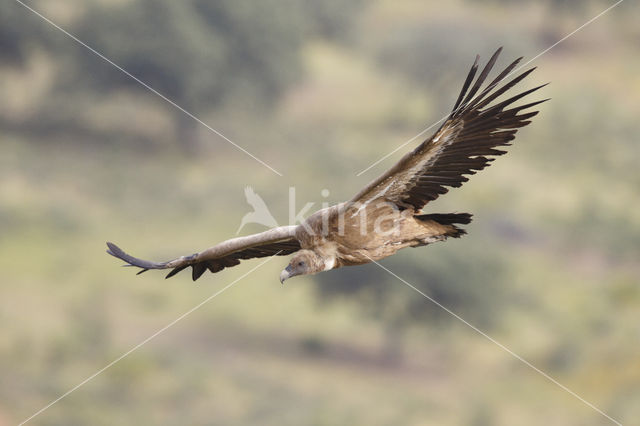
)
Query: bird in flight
[{"x": 386, "y": 215}]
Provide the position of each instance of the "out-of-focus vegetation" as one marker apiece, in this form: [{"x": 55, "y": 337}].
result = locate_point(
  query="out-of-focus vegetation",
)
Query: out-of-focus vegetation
[{"x": 319, "y": 90}]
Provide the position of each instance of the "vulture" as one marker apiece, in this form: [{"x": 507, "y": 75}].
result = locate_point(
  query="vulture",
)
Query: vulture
[{"x": 386, "y": 215}]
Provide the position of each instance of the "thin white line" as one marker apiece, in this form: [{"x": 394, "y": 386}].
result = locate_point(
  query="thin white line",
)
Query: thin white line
[
  {"x": 548, "y": 377},
  {"x": 575, "y": 31},
  {"x": 512, "y": 72},
  {"x": 172, "y": 323},
  {"x": 100, "y": 55}
]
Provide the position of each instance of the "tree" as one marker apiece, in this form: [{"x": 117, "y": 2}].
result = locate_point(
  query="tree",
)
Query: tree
[
  {"x": 19, "y": 32},
  {"x": 199, "y": 53},
  {"x": 194, "y": 52}
]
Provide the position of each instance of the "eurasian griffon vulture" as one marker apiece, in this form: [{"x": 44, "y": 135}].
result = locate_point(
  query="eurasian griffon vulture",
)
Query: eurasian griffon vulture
[{"x": 386, "y": 215}]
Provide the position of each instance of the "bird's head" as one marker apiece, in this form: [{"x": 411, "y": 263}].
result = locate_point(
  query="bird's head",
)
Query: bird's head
[{"x": 304, "y": 262}]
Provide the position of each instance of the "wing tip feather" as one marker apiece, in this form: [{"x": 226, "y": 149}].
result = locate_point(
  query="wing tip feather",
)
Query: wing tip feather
[{"x": 145, "y": 265}]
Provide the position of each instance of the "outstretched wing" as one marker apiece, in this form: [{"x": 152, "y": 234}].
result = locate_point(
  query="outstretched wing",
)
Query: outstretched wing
[
  {"x": 464, "y": 144},
  {"x": 274, "y": 242}
]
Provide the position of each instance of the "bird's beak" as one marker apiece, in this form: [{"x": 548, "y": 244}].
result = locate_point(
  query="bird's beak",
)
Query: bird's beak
[{"x": 286, "y": 273}]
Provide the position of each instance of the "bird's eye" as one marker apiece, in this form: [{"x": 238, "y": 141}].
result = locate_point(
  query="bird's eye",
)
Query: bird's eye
[{"x": 301, "y": 263}]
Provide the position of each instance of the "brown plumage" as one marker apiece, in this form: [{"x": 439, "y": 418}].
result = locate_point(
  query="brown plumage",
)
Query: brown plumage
[{"x": 385, "y": 216}]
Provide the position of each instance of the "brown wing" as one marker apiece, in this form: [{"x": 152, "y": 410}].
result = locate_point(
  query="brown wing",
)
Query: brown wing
[
  {"x": 274, "y": 242},
  {"x": 464, "y": 144}
]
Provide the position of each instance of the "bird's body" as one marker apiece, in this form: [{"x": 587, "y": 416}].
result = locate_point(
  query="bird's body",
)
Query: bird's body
[
  {"x": 385, "y": 216},
  {"x": 349, "y": 234}
]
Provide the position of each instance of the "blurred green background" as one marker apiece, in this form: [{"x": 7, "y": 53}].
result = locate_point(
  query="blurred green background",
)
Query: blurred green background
[{"x": 318, "y": 90}]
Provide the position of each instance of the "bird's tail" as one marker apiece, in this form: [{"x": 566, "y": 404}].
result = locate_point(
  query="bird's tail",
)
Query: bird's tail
[{"x": 449, "y": 220}]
